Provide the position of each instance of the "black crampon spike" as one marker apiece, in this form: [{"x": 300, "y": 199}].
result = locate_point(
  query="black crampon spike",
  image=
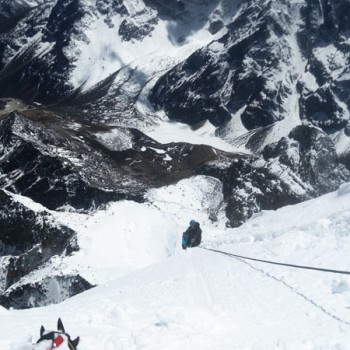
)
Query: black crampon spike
[
  {"x": 42, "y": 330},
  {"x": 75, "y": 342},
  {"x": 60, "y": 326}
]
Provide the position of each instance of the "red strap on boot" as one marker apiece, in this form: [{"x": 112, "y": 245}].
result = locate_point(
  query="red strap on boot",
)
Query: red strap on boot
[{"x": 57, "y": 342}]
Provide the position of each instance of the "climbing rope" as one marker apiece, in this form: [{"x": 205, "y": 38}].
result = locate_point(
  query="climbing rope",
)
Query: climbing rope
[{"x": 278, "y": 263}]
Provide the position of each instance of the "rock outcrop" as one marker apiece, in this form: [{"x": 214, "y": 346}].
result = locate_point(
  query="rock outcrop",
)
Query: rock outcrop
[{"x": 28, "y": 240}]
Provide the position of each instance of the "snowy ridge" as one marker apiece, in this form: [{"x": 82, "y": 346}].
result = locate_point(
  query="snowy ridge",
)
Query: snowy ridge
[{"x": 200, "y": 299}]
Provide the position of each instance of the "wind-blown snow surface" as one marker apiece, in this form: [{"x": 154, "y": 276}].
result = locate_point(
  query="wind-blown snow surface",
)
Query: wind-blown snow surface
[{"x": 153, "y": 295}]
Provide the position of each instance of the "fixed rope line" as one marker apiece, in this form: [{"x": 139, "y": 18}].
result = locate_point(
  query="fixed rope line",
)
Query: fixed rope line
[{"x": 279, "y": 263}]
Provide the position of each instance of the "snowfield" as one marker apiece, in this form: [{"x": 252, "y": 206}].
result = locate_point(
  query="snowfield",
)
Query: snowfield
[
  {"x": 150, "y": 294},
  {"x": 153, "y": 295}
]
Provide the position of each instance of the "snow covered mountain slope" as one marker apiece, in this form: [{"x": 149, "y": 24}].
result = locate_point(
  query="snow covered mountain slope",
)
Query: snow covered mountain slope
[
  {"x": 102, "y": 101},
  {"x": 254, "y": 63},
  {"x": 200, "y": 299},
  {"x": 251, "y": 68},
  {"x": 84, "y": 42},
  {"x": 278, "y": 64}
]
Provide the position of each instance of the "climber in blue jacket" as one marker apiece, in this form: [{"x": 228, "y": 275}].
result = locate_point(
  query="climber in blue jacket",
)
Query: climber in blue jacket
[{"x": 192, "y": 236}]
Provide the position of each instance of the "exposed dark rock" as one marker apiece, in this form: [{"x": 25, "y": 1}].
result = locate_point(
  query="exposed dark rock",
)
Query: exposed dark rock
[
  {"x": 31, "y": 238},
  {"x": 105, "y": 7},
  {"x": 300, "y": 167},
  {"x": 40, "y": 69},
  {"x": 214, "y": 83},
  {"x": 345, "y": 159},
  {"x": 242, "y": 68},
  {"x": 245, "y": 71},
  {"x": 28, "y": 168},
  {"x": 239, "y": 71},
  {"x": 28, "y": 240},
  {"x": 10, "y": 8},
  {"x": 57, "y": 166},
  {"x": 309, "y": 155},
  {"x": 130, "y": 31},
  {"x": 249, "y": 189},
  {"x": 194, "y": 107},
  {"x": 322, "y": 41},
  {"x": 215, "y": 26},
  {"x": 50, "y": 290}
]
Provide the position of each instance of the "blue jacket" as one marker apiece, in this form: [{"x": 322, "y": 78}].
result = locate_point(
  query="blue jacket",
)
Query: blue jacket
[{"x": 192, "y": 236}]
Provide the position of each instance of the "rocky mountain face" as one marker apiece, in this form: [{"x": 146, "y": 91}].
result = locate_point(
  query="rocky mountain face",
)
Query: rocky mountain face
[
  {"x": 82, "y": 82},
  {"x": 30, "y": 239},
  {"x": 275, "y": 59},
  {"x": 58, "y": 163},
  {"x": 301, "y": 166}
]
